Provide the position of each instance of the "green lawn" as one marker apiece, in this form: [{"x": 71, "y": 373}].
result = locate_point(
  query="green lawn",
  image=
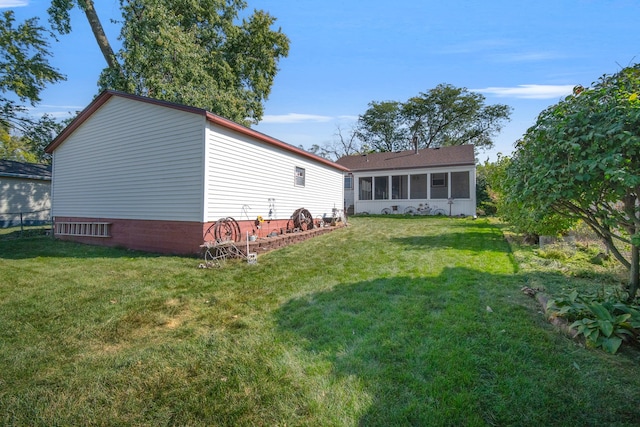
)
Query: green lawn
[{"x": 390, "y": 321}]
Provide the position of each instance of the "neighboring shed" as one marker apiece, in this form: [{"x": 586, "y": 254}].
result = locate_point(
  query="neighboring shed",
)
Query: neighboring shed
[
  {"x": 441, "y": 178},
  {"x": 153, "y": 175},
  {"x": 25, "y": 190}
]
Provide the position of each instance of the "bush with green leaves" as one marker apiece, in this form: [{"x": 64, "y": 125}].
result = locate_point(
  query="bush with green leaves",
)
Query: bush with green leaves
[
  {"x": 581, "y": 161},
  {"x": 603, "y": 319}
]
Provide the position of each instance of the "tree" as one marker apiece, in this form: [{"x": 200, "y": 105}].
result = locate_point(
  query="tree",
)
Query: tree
[
  {"x": 41, "y": 133},
  {"x": 345, "y": 143},
  {"x": 484, "y": 199},
  {"x": 447, "y": 115},
  {"x": 61, "y": 21},
  {"x": 582, "y": 160},
  {"x": 28, "y": 145},
  {"x": 443, "y": 116},
  {"x": 382, "y": 126},
  {"x": 531, "y": 220},
  {"x": 15, "y": 148},
  {"x": 191, "y": 52},
  {"x": 24, "y": 70}
]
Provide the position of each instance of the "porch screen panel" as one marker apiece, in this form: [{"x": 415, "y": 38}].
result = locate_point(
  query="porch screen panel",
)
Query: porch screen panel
[
  {"x": 365, "y": 187},
  {"x": 418, "y": 186},
  {"x": 460, "y": 185},
  {"x": 439, "y": 187},
  {"x": 381, "y": 187},
  {"x": 399, "y": 186}
]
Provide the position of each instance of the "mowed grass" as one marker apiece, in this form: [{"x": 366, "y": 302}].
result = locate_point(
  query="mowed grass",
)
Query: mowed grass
[{"x": 390, "y": 321}]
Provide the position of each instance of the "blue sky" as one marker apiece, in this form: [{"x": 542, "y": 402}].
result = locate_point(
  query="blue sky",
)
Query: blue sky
[{"x": 345, "y": 54}]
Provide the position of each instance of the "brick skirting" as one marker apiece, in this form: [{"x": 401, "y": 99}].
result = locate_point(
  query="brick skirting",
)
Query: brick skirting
[
  {"x": 183, "y": 238},
  {"x": 265, "y": 244}
]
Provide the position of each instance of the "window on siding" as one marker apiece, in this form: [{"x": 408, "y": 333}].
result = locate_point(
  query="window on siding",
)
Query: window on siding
[
  {"x": 381, "y": 187},
  {"x": 299, "y": 177},
  {"x": 399, "y": 186},
  {"x": 460, "y": 185},
  {"x": 418, "y": 186},
  {"x": 439, "y": 188},
  {"x": 85, "y": 229},
  {"x": 348, "y": 182},
  {"x": 365, "y": 186}
]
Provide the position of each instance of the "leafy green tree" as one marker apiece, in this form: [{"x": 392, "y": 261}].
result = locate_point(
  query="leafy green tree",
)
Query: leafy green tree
[
  {"x": 484, "y": 200},
  {"x": 24, "y": 70},
  {"x": 28, "y": 145},
  {"x": 382, "y": 127},
  {"x": 15, "y": 148},
  {"x": 447, "y": 115},
  {"x": 531, "y": 220},
  {"x": 582, "y": 160},
  {"x": 193, "y": 52},
  {"x": 443, "y": 116},
  {"x": 41, "y": 133}
]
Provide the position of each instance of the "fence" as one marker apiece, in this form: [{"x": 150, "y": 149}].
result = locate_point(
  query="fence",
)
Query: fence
[{"x": 25, "y": 219}]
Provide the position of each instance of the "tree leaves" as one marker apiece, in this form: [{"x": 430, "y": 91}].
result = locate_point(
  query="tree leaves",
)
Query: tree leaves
[
  {"x": 582, "y": 160},
  {"x": 199, "y": 54},
  {"x": 24, "y": 72},
  {"x": 443, "y": 116},
  {"x": 24, "y": 68}
]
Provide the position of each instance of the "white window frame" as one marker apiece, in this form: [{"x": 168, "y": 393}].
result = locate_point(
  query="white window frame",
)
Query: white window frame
[{"x": 299, "y": 177}]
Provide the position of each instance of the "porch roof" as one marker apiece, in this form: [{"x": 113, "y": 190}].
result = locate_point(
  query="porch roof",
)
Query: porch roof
[{"x": 461, "y": 155}]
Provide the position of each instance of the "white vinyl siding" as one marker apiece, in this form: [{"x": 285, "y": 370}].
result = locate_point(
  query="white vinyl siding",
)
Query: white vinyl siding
[
  {"x": 244, "y": 174},
  {"x": 428, "y": 186},
  {"x": 132, "y": 160},
  {"x": 31, "y": 197}
]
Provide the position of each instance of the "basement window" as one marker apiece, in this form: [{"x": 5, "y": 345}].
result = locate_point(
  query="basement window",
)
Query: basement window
[{"x": 84, "y": 229}]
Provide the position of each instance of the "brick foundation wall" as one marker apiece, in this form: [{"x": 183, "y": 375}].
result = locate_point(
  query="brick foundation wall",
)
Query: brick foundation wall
[
  {"x": 186, "y": 238},
  {"x": 168, "y": 237}
]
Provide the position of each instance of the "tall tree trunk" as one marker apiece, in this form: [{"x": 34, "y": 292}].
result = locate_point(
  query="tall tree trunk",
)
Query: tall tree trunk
[
  {"x": 100, "y": 36},
  {"x": 634, "y": 271}
]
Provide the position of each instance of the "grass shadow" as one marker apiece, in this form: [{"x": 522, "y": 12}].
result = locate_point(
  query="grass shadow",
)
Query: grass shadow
[
  {"x": 36, "y": 244},
  {"x": 456, "y": 349}
]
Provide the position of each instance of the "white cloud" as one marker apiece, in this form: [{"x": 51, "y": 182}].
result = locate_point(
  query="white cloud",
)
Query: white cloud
[
  {"x": 529, "y": 91},
  {"x": 294, "y": 118},
  {"x": 13, "y": 3},
  {"x": 348, "y": 117},
  {"x": 527, "y": 57}
]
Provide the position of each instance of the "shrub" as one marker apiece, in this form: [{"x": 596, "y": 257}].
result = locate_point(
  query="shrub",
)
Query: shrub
[{"x": 604, "y": 320}]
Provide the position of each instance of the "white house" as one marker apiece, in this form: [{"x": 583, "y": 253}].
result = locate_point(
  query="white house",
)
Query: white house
[
  {"x": 24, "y": 193},
  {"x": 152, "y": 175},
  {"x": 440, "y": 179}
]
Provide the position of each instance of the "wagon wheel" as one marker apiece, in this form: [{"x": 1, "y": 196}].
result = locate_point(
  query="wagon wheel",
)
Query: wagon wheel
[
  {"x": 386, "y": 211},
  {"x": 223, "y": 230},
  {"x": 211, "y": 260},
  {"x": 410, "y": 210},
  {"x": 439, "y": 212},
  {"x": 208, "y": 235},
  {"x": 302, "y": 219}
]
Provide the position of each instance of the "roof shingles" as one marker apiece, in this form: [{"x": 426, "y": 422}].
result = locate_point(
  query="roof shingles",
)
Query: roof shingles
[
  {"x": 461, "y": 155},
  {"x": 10, "y": 168}
]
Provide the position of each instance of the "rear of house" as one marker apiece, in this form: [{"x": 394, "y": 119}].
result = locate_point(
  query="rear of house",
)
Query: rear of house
[
  {"x": 441, "y": 179},
  {"x": 151, "y": 175},
  {"x": 24, "y": 193}
]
